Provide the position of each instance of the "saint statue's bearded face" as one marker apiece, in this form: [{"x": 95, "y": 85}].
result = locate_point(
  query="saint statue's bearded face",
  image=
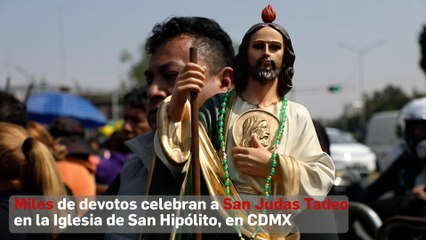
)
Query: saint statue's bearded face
[{"x": 265, "y": 54}]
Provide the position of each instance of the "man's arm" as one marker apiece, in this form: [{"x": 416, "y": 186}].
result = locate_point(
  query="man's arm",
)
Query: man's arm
[
  {"x": 385, "y": 182},
  {"x": 113, "y": 187}
]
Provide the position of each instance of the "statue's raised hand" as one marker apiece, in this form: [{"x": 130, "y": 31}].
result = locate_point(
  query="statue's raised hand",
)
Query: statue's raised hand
[{"x": 190, "y": 79}]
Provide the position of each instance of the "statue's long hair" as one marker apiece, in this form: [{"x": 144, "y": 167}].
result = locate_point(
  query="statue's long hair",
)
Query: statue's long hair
[{"x": 241, "y": 65}]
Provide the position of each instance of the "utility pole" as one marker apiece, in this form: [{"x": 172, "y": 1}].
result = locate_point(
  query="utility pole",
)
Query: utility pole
[{"x": 360, "y": 52}]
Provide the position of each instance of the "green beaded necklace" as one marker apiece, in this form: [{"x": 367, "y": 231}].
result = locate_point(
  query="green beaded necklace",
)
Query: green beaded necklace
[{"x": 276, "y": 142}]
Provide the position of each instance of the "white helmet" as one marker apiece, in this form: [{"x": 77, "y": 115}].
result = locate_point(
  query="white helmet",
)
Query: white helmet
[{"x": 413, "y": 112}]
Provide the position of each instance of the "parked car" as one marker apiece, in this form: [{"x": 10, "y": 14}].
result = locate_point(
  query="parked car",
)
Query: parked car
[
  {"x": 382, "y": 137},
  {"x": 348, "y": 153}
]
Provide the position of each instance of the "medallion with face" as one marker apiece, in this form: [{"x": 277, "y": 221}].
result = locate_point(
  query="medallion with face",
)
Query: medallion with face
[{"x": 258, "y": 123}]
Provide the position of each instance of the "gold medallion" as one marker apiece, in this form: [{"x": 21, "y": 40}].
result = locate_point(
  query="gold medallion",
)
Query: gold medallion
[{"x": 255, "y": 122}]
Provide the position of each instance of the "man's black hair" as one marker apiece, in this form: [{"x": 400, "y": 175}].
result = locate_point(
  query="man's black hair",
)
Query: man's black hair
[
  {"x": 322, "y": 136},
  {"x": 12, "y": 110},
  {"x": 136, "y": 98},
  {"x": 209, "y": 37}
]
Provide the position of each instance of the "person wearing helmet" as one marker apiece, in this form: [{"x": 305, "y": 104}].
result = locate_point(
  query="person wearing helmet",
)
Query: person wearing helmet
[
  {"x": 413, "y": 116},
  {"x": 406, "y": 177}
]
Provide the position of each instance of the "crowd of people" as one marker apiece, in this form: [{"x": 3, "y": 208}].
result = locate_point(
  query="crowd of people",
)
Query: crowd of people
[
  {"x": 253, "y": 140},
  {"x": 56, "y": 159}
]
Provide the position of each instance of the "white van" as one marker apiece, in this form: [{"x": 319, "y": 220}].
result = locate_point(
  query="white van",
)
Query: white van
[{"x": 382, "y": 137}]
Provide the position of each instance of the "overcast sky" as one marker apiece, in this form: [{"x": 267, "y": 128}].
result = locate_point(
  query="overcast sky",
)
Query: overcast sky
[{"x": 78, "y": 42}]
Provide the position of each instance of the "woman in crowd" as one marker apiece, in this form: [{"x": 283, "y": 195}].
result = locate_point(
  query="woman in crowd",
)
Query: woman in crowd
[
  {"x": 39, "y": 132},
  {"x": 26, "y": 168}
]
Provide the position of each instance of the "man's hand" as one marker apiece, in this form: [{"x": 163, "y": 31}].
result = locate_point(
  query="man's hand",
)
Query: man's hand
[
  {"x": 255, "y": 160},
  {"x": 190, "y": 79},
  {"x": 419, "y": 192}
]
